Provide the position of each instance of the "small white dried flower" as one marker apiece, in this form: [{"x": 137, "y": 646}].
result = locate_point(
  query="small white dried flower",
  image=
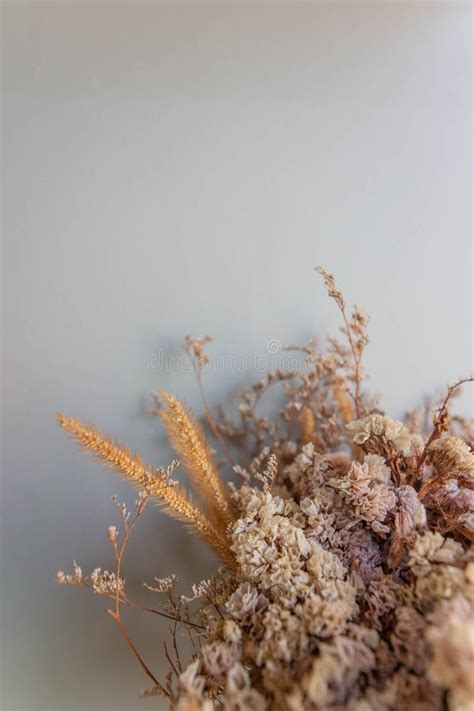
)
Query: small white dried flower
[
  {"x": 103, "y": 582},
  {"x": 452, "y": 457},
  {"x": 232, "y": 631},
  {"x": 380, "y": 427},
  {"x": 75, "y": 579},
  {"x": 431, "y": 547},
  {"x": 467, "y": 520},
  {"x": 190, "y": 680},
  {"x": 162, "y": 585},
  {"x": 112, "y": 534},
  {"x": 245, "y": 602},
  {"x": 419, "y": 519},
  {"x": 219, "y": 657},
  {"x": 199, "y": 590}
]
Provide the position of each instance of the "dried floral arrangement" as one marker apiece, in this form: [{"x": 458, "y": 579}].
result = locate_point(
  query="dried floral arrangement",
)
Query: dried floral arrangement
[{"x": 347, "y": 576}]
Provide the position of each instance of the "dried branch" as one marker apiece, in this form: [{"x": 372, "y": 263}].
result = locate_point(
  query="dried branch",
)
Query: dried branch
[{"x": 356, "y": 348}]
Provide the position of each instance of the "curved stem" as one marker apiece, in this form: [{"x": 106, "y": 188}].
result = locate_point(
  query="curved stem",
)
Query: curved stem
[
  {"x": 209, "y": 418},
  {"x": 136, "y": 653}
]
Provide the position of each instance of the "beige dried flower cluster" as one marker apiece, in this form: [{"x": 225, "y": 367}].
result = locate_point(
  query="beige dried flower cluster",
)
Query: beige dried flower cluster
[{"x": 348, "y": 567}]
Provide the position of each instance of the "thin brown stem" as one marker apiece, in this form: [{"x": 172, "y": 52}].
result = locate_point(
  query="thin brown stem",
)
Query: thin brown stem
[
  {"x": 124, "y": 600},
  {"x": 338, "y": 297},
  {"x": 115, "y": 614},
  {"x": 136, "y": 653},
  {"x": 168, "y": 657},
  {"x": 175, "y": 647},
  {"x": 209, "y": 417},
  {"x": 119, "y": 552},
  {"x": 166, "y": 615}
]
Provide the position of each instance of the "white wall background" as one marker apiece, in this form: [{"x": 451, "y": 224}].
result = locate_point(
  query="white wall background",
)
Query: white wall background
[{"x": 177, "y": 168}]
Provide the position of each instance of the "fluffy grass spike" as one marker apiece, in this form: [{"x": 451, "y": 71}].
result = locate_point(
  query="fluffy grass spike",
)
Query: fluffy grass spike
[
  {"x": 188, "y": 440},
  {"x": 156, "y": 482},
  {"x": 343, "y": 401},
  {"x": 307, "y": 426}
]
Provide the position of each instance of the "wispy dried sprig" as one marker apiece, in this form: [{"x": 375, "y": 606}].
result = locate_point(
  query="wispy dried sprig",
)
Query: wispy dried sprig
[
  {"x": 195, "y": 347},
  {"x": 156, "y": 482},
  {"x": 199, "y": 359},
  {"x": 268, "y": 475},
  {"x": 112, "y": 584},
  {"x": 354, "y": 329},
  {"x": 188, "y": 440}
]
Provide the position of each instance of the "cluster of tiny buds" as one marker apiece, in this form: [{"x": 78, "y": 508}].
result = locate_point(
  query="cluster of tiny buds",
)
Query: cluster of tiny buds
[
  {"x": 112, "y": 534},
  {"x": 121, "y": 508},
  {"x": 75, "y": 579},
  {"x": 104, "y": 582},
  {"x": 199, "y": 591},
  {"x": 162, "y": 585}
]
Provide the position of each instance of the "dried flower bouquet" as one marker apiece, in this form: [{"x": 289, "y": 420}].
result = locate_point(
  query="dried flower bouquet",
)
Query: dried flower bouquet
[{"x": 347, "y": 578}]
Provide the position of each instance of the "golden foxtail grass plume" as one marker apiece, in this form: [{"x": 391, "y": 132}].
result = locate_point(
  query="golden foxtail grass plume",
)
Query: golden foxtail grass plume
[
  {"x": 188, "y": 440},
  {"x": 307, "y": 426},
  {"x": 343, "y": 401},
  {"x": 156, "y": 482}
]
